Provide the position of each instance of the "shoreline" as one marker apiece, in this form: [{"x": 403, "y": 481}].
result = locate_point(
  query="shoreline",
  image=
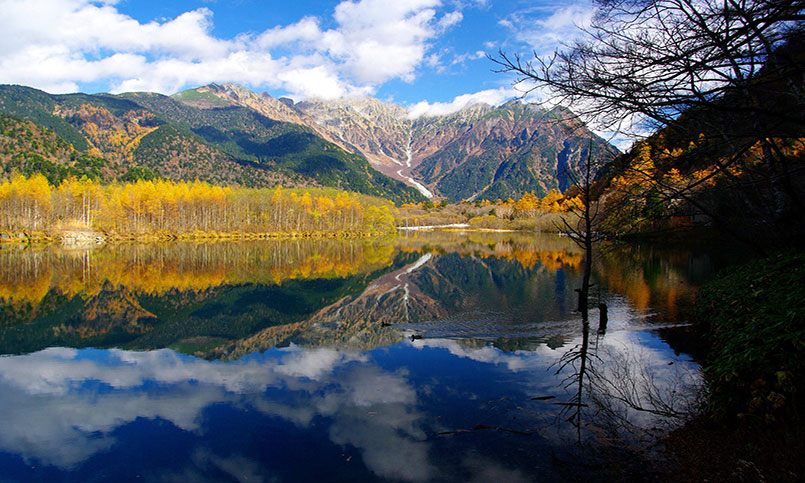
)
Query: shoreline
[
  {"x": 98, "y": 238},
  {"x": 459, "y": 227},
  {"x": 93, "y": 238}
]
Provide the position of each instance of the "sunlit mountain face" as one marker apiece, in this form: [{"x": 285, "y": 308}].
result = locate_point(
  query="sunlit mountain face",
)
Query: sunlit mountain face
[{"x": 433, "y": 356}]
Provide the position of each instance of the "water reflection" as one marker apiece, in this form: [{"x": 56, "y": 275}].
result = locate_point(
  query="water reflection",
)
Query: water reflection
[
  {"x": 655, "y": 280},
  {"x": 190, "y": 296},
  {"x": 622, "y": 387},
  {"x": 309, "y": 351},
  {"x": 228, "y": 299},
  {"x": 29, "y": 274},
  {"x": 476, "y": 289}
]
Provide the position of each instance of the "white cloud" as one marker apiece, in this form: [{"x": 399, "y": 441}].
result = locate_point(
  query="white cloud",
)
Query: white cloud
[
  {"x": 433, "y": 60},
  {"x": 493, "y": 97},
  {"x": 460, "y": 59},
  {"x": 315, "y": 81},
  {"x": 85, "y": 29},
  {"x": 451, "y": 19},
  {"x": 306, "y": 30},
  {"x": 378, "y": 40},
  {"x": 59, "y": 44},
  {"x": 565, "y": 24},
  {"x": 544, "y": 29}
]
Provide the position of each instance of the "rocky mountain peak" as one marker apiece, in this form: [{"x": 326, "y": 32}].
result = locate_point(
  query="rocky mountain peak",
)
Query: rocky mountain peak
[{"x": 379, "y": 130}]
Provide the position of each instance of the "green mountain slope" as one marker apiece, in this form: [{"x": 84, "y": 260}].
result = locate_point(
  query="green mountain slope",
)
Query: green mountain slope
[
  {"x": 180, "y": 154},
  {"x": 39, "y": 107},
  {"x": 27, "y": 148},
  {"x": 124, "y": 134},
  {"x": 250, "y": 137}
]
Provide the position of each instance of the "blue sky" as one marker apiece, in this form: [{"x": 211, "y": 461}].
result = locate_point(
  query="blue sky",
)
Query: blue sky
[{"x": 429, "y": 55}]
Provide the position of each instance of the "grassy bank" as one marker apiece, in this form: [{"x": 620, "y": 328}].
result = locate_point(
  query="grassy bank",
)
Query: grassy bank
[
  {"x": 755, "y": 316},
  {"x": 754, "y": 319}
]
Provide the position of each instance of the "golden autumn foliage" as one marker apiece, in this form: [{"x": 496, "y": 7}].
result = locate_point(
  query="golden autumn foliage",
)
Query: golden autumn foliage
[
  {"x": 529, "y": 258},
  {"x": 529, "y": 205},
  {"x": 111, "y": 134},
  {"x": 527, "y": 249},
  {"x": 653, "y": 186},
  {"x": 167, "y": 208}
]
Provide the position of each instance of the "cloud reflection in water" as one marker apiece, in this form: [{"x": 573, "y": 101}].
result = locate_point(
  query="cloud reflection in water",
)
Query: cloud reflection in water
[{"x": 67, "y": 403}]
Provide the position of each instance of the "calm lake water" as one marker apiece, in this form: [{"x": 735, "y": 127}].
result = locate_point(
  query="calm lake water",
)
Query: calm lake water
[{"x": 435, "y": 356}]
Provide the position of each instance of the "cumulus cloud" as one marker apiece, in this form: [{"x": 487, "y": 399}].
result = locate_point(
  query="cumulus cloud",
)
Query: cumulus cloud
[
  {"x": 305, "y": 31},
  {"x": 58, "y": 45},
  {"x": 493, "y": 97},
  {"x": 379, "y": 40}
]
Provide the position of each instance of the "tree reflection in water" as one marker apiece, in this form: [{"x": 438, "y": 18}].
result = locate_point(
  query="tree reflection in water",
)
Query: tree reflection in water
[
  {"x": 577, "y": 357},
  {"x": 629, "y": 398}
]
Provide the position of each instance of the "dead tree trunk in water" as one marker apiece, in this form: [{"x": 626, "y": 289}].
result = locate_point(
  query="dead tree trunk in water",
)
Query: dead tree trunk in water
[
  {"x": 588, "y": 247},
  {"x": 603, "y": 318},
  {"x": 582, "y": 231}
]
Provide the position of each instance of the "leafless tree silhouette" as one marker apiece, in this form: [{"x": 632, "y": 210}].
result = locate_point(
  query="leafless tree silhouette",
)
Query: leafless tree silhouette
[{"x": 732, "y": 71}]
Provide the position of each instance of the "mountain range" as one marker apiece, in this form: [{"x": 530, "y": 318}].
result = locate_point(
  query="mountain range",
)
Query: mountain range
[
  {"x": 228, "y": 134},
  {"x": 478, "y": 152}
]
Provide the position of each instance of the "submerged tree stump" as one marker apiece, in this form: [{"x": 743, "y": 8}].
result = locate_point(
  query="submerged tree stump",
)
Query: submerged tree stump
[{"x": 603, "y": 318}]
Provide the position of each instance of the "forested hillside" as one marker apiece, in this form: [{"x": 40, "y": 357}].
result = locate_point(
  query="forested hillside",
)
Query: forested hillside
[
  {"x": 28, "y": 148},
  {"x": 147, "y": 135}
]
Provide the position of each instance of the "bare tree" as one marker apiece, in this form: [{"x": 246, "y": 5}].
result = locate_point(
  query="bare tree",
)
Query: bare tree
[
  {"x": 731, "y": 69},
  {"x": 653, "y": 60},
  {"x": 581, "y": 224}
]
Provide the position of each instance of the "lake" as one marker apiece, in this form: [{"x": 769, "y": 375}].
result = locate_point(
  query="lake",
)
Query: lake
[{"x": 434, "y": 356}]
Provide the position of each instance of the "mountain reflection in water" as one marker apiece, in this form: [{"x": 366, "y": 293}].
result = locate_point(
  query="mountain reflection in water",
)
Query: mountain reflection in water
[{"x": 321, "y": 378}]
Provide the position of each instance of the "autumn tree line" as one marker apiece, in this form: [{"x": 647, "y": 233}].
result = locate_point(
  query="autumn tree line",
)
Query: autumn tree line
[
  {"x": 529, "y": 212},
  {"x": 31, "y": 206}
]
